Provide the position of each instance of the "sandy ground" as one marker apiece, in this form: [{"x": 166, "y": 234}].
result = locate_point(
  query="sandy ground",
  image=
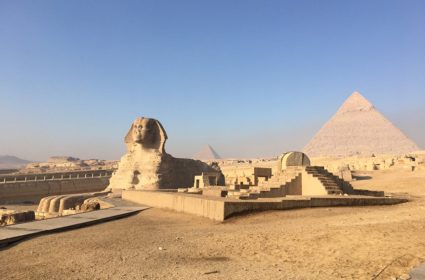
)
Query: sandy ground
[{"x": 323, "y": 243}]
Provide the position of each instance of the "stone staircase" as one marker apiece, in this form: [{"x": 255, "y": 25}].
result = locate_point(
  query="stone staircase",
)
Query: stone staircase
[
  {"x": 331, "y": 182},
  {"x": 275, "y": 187}
]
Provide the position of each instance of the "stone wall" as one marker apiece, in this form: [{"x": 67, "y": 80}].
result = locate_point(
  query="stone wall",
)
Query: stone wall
[
  {"x": 219, "y": 208},
  {"x": 311, "y": 185},
  {"x": 24, "y": 177},
  {"x": 33, "y": 191}
]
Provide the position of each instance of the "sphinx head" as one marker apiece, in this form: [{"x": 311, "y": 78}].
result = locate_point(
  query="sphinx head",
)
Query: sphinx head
[{"x": 148, "y": 133}]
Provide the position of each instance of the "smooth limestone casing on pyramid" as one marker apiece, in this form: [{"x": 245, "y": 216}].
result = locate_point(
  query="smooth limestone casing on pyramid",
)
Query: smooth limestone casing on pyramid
[{"x": 359, "y": 129}]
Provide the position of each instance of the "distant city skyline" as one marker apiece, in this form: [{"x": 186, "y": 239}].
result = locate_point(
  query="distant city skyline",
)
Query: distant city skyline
[{"x": 250, "y": 78}]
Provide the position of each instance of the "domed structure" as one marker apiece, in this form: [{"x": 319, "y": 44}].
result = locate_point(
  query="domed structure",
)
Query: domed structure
[{"x": 293, "y": 159}]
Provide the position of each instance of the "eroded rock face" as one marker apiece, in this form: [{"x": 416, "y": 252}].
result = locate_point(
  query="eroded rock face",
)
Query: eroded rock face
[
  {"x": 147, "y": 166},
  {"x": 11, "y": 217},
  {"x": 64, "y": 204},
  {"x": 90, "y": 206}
]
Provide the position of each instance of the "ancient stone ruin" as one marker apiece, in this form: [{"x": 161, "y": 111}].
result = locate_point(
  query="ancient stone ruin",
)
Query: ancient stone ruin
[
  {"x": 148, "y": 175},
  {"x": 146, "y": 165},
  {"x": 60, "y": 205},
  {"x": 293, "y": 176},
  {"x": 358, "y": 128},
  {"x": 11, "y": 217}
]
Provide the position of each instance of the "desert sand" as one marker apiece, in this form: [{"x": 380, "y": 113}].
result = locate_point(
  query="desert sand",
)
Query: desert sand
[{"x": 376, "y": 242}]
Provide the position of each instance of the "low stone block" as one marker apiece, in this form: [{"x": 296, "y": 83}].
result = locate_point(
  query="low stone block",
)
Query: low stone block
[
  {"x": 214, "y": 192},
  {"x": 16, "y": 217}
]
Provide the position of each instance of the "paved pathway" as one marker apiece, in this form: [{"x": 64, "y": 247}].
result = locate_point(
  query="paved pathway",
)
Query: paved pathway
[
  {"x": 13, "y": 233},
  {"x": 418, "y": 273}
]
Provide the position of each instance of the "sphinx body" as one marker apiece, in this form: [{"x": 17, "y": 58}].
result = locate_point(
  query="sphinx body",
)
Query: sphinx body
[{"x": 146, "y": 165}]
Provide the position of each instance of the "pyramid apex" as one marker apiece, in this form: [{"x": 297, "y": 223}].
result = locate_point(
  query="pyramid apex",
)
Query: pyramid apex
[
  {"x": 355, "y": 103},
  {"x": 206, "y": 153}
]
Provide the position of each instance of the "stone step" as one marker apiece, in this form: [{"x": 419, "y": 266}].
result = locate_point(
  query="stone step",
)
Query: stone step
[
  {"x": 331, "y": 185},
  {"x": 336, "y": 193},
  {"x": 314, "y": 168},
  {"x": 254, "y": 195},
  {"x": 328, "y": 182},
  {"x": 333, "y": 189},
  {"x": 328, "y": 178}
]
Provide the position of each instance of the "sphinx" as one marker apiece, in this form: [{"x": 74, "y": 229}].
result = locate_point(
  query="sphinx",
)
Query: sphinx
[{"x": 147, "y": 166}]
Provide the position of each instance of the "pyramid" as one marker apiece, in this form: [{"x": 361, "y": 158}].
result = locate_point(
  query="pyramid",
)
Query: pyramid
[
  {"x": 206, "y": 153},
  {"x": 358, "y": 128}
]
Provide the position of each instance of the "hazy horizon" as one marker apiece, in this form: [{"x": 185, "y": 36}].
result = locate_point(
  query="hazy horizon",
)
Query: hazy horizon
[{"x": 252, "y": 79}]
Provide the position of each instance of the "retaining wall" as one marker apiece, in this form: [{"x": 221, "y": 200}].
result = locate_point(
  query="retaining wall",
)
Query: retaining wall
[
  {"x": 33, "y": 191},
  {"x": 218, "y": 208}
]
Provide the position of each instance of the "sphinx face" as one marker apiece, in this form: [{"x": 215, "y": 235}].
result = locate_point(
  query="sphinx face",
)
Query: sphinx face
[{"x": 143, "y": 131}]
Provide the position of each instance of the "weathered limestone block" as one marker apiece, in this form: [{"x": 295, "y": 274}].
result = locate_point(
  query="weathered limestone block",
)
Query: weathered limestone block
[
  {"x": 63, "y": 204},
  {"x": 90, "y": 206},
  {"x": 146, "y": 165},
  {"x": 215, "y": 191},
  {"x": 11, "y": 217},
  {"x": 55, "y": 204},
  {"x": 72, "y": 201},
  {"x": 102, "y": 204}
]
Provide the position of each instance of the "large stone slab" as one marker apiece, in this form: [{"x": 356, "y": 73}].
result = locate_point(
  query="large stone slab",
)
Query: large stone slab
[{"x": 13, "y": 233}]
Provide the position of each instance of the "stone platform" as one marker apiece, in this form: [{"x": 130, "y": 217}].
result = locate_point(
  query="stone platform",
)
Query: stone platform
[
  {"x": 220, "y": 208},
  {"x": 13, "y": 233}
]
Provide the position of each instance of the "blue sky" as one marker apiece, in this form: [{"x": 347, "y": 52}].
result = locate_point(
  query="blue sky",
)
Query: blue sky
[{"x": 250, "y": 78}]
